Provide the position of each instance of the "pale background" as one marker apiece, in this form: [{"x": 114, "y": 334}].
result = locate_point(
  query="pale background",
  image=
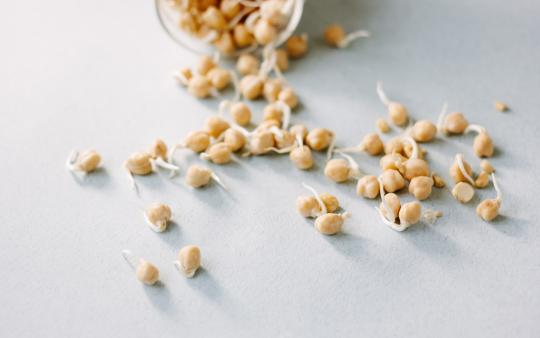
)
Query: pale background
[{"x": 79, "y": 74}]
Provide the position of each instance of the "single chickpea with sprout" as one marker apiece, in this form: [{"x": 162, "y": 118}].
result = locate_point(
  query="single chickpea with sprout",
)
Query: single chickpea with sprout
[
  {"x": 371, "y": 144},
  {"x": 461, "y": 173},
  {"x": 158, "y": 216},
  {"x": 335, "y": 36},
  {"x": 483, "y": 144},
  {"x": 342, "y": 169},
  {"x": 189, "y": 260},
  {"x": 397, "y": 112},
  {"x": 488, "y": 209},
  {"x": 414, "y": 166},
  {"x": 198, "y": 176},
  {"x": 146, "y": 272},
  {"x": 86, "y": 162}
]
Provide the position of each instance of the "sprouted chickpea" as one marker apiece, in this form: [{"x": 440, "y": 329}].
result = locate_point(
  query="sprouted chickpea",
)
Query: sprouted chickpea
[
  {"x": 299, "y": 130},
  {"x": 284, "y": 141},
  {"x": 415, "y": 166},
  {"x": 260, "y": 142},
  {"x": 396, "y": 111},
  {"x": 218, "y": 153},
  {"x": 382, "y": 125},
  {"x": 157, "y": 216},
  {"x": 240, "y": 113},
  {"x": 183, "y": 76},
  {"x": 197, "y": 141},
  {"x": 242, "y": 36},
  {"x": 394, "y": 146},
  {"x": 420, "y": 187},
  {"x": 488, "y": 209},
  {"x": 141, "y": 163},
  {"x": 297, "y": 46},
  {"x": 311, "y": 206},
  {"x": 330, "y": 223},
  {"x": 265, "y": 32},
  {"x": 482, "y": 180},
  {"x": 438, "y": 181},
  {"x": 463, "y": 192},
  {"x": 272, "y": 88},
  {"x": 158, "y": 149},
  {"x": 251, "y": 86},
  {"x": 320, "y": 139},
  {"x": 247, "y": 64},
  {"x": 234, "y": 138},
  {"x": 146, "y": 272},
  {"x": 321, "y": 207},
  {"x": 200, "y": 86},
  {"x": 453, "y": 123},
  {"x": 198, "y": 176},
  {"x": 392, "y": 180},
  {"x": 393, "y": 161},
  {"x": 335, "y": 36},
  {"x": 189, "y": 260},
  {"x": 423, "y": 131},
  {"x": 368, "y": 187},
  {"x": 486, "y": 166},
  {"x": 301, "y": 155},
  {"x": 219, "y": 78},
  {"x": 86, "y": 162},
  {"x": 483, "y": 144},
  {"x": 215, "y": 125},
  {"x": 371, "y": 143},
  {"x": 461, "y": 171},
  {"x": 288, "y": 96},
  {"x": 501, "y": 106},
  {"x": 330, "y": 201},
  {"x": 282, "y": 60},
  {"x": 205, "y": 64},
  {"x": 341, "y": 170}
]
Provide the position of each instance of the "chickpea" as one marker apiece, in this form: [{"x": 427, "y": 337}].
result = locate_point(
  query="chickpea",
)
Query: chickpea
[
  {"x": 234, "y": 139},
  {"x": 463, "y": 192},
  {"x": 197, "y": 141},
  {"x": 261, "y": 142},
  {"x": 158, "y": 149},
  {"x": 483, "y": 145},
  {"x": 247, "y": 64},
  {"x": 240, "y": 113},
  {"x": 410, "y": 213},
  {"x": 330, "y": 201},
  {"x": 283, "y": 139},
  {"x": 268, "y": 125},
  {"x": 482, "y": 180},
  {"x": 205, "y": 64},
  {"x": 368, "y": 187},
  {"x": 215, "y": 125},
  {"x": 282, "y": 60},
  {"x": 340, "y": 170},
  {"x": 242, "y": 36},
  {"x": 230, "y": 8},
  {"x": 189, "y": 260},
  {"x": 319, "y": 138},
  {"x": 219, "y": 153},
  {"x": 86, "y": 162},
  {"x": 272, "y": 112},
  {"x": 392, "y": 180},
  {"x": 199, "y": 86},
  {"x": 219, "y": 77},
  {"x": 416, "y": 167},
  {"x": 424, "y": 131},
  {"x": 393, "y": 203},
  {"x": 264, "y": 32},
  {"x": 139, "y": 164},
  {"x": 488, "y": 209},
  {"x": 187, "y": 22},
  {"x": 501, "y": 106},
  {"x": 225, "y": 44},
  {"x": 461, "y": 171},
  {"x": 271, "y": 89},
  {"x": 372, "y": 144},
  {"x": 334, "y": 34},
  {"x": 393, "y": 161},
  {"x": 299, "y": 130},
  {"x": 272, "y": 10},
  {"x": 147, "y": 273},
  {"x": 297, "y": 46},
  {"x": 486, "y": 166},
  {"x": 198, "y": 176},
  {"x": 213, "y": 18},
  {"x": 330, "y": 224},
  {"x": 158, "y": 216},
  {"x": 420, "y": 187},
  {"x": 302, "y": 157},
  {"x": 396, "y": 111},
  {"x": 288, "y": 96},
  {"x": 308, "y": 207},
  {"x": 455, "y": 123},
  {"x": 438, "y": 181},
  {"x": 394, "y": 145},
  {"x": 383, "y": 126},
  {"x": 251, "y": 86}
]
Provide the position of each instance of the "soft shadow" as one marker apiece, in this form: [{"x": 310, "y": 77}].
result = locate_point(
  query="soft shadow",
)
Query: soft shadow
[
  {"x": 159, "y": 296},
  {"x": 348, "y": 245},
  {"x": 437, "y": 246},
  {"x": 99, "y": 178},
  {"x": 204, "y": 283},
  {"x": 172, "y": 236},
  {"x": 511, "y": 226}
]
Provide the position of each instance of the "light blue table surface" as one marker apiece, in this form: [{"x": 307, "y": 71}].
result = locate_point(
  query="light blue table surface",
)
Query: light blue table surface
[{"x": 80, "y": 74}]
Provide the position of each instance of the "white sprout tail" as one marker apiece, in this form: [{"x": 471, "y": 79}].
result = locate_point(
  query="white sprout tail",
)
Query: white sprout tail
[
  {"x": 219, "y": 181},
  {"x": 440, "y": 120},
  {"x": 351, "y": 37},
  {"x": 330, "y": 151},
  {"x": 355, "y": 169},
  {"x": 497, "y": 188},
  {"x": 130, "y": 258},
  {"x": 161, "y": 163},
  {"x": 318, "y": 198},
  {"x": 461, "y": 166},
  {"x": 382, "y": 95}
]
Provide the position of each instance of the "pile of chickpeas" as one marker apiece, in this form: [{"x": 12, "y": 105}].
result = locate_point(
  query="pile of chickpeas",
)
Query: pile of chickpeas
[{"x": 236, "y": 132}]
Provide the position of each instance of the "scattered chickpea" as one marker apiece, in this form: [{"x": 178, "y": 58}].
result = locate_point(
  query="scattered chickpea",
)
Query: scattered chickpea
[
  {"x": 251, "y": 86},
  {"x": 368, "y": 187},
  {"x": 482, "y": 180},
  {"x": 271, "y": 89},
  {"x": 393, "y": 161},
  {"x": 383, "y": 126},
  {"x": 219, "y": 153},
  {"x": 438, "y": 181},
  {"x": 139, "y": 164},
  {"x": 410, "y": 213},
  {"x": 242, "y": 36},
  {"x": 483, "y": 145},
  {"x": 282, "y": 60},
  {"x": 394, "y": 145},
  {"x": 335, "y": 36},
  {"x": 420, "y": 187},
  {"x": 308, "y": 207},
  {"x": 371, "y": 143},
  {"x": 283, "y": 140},
  {"x": 455, "y": 123},
  {"x": 219, "y": 78},
  {"x": 205, "y": 64},
  {"x": 240, "y": 113},
  {"x": 330, "y": 224},
  {"x": 288, "y": 96},
  {"x": 461, "y": 171},
  {"x": 272, "y": 10},
  {"x": 302, "y": 157},
  {"x": 330, "y": 201},
  {"x": 198, "y": 176},
  {"x": 225, "y": 44},
  {"x": 416, "y": 167},
  {"x": 189, "y": 260},
  {"x": 297, "y": 46},
  {"x": 234, "y": 139},
  {"x": 158, "y": 216},
  {"x": 261, "y": 142},
  {"x": 486, "y": 166},
  {"x": 86, "y": 162},
  {"x": 396, "y": 111},
  {"x": 199, "y": 86},
  {"x": 393, "y": 203},
  {"x": 158, "y": 149},
  {"x": 272, "y": 112},
  {"x": 319, "y": 138},
  {"x": 501, "y": 106},
  {"x": 424, "y": 131},
  {"x": 488, "y": 209},
  {"x": 340, "y": 170},
  {"x": 463, "y": 192},
  {"x": 392, "y": 180},
  {"x": 146, "y": 272},
  {"x": 215, "y": 125},
  {"x": 197, "y": 141},
  {"x": 247, "y": 64}
]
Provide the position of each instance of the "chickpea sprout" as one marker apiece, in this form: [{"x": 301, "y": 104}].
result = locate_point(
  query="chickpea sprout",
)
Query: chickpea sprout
[
  {"x": 483, "y": 144},
  {"x": 311, "y": 206},
  {"x": 86, "y": 162},
  {"x": 198, "y": 176},
  {"x": 461, "y": 171},
  {"x": 189, "y": 260},
  {"x": 340, "y": 170},
  {"x": 488, "y": 209},
  {"x": 146, "y": 272},
  {"x": 487, "y": 166},
  {"x": 320, "y": 139},
  {"x": 371, "y": 143},
  {"x": 142, "y": 163},
  {"x": 301, "y": 155},
  {"x": 335, "y": 36},
  {"x": 330, "y": 223},
  {"x": 397, "y": 112},
  {"x": 415, "y": 166},
  {"x": 219, "y": 153},
  {"x": 157, "y": 216}
]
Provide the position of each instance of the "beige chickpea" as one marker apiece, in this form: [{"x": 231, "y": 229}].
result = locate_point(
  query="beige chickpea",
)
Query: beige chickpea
[
  {"x": 272, "y": 112},
  {"x": 251, "y": 86},
  {"x": 393, "y": 202},
  {"x": 268, "y": 125},
  {"x": 308, "y": 206},
  {"x": 219, "y": 78},
  {"x": 393, "y": 161},
  {"x": 288, "y": 96},
  {"x": 338, "y": 170},
  {"x": 264, "y": 32},
  {"x": 158, "y": 216},
  {"x": 482, "y": 180},
  {"x": 302, "y": 157},
  {"x": 225, "y": 44},
  {"x": 487, "y": 166},
  {"x": 86, "y": 162},
  {"x": 147, "y": 273},
  {"x": 199, "y": 86},
  {"x": 215, "y": 125},
  {"x": 398, "y": 114},
  {"x": 483, "y": 145},
  {"x": 457, "y": 173},
  {"x": 240, "y": 113},
  {"x": 329, "y": 224},
  {"x": 189, "y": 260},
  {"x": 282, "y": 59},
  {"x": 392, "y": 180},
  {"x": 139, "y": 164},
  {"x": 205, "y": 64},
  {"x": 424, "y": 131},
  {"x": 219, "y": 153},
  {"x": 242, "y": 36},
  {"x": 410, "y": 213},
  {"x": 382, "y": 125},
  {"x": 272, "y": 10},
  {"x": 455, "y": 123},
  {"x": 299, "y": 131},
  {"x": 416, "y": 167},
  {"x": 334, "y": 34},
  {"x": 247, "y": 64},
  {"x": 420, "y": 187},
  {"x": 488, "y": 209},
  {"x": 501, "y": 106},
  {"x": 330, "y": 201},
  {"x": 319, "y": 138},
  {"x": 463, "y": 192},
  {"x": 158, "y": 149},
  {"x": 438, "y": 181},
  {"x": 297, "y": 46},
  {"x": 368, "y": 187},
  {"x": 408, "y": 150},
  {"x": 197, "y": 141},
  {"x": 271, "y": 89},
  {"x": 261, "y": 142},
  {"x": 230, "y": 8},
  {"x": 394, "y": 145},
  {"x": 214, "y": 18},
  {"x": 198, "y": 176},
  {"x": 372, "y": 144},
  {"x": 283, "y": 139},
  {"x": 234, "y": 139}
]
